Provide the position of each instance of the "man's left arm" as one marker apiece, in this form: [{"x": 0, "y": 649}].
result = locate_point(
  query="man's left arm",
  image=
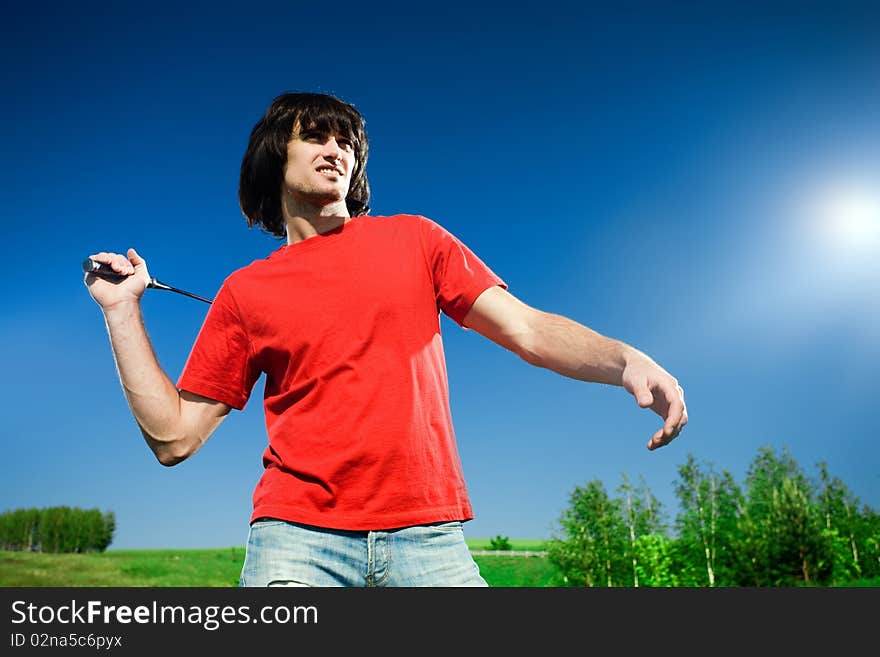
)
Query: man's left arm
[{"x": 573, "y": 350}]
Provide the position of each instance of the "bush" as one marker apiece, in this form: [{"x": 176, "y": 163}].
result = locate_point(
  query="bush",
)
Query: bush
[{"x": 500, "y": 543}]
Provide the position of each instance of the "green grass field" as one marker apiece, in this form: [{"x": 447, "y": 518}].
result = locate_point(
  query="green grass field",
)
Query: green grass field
[
  {"x": 213, "y": 567},
  {"x": 216, "y": 567},
  {"x": 221, "y": 567}
]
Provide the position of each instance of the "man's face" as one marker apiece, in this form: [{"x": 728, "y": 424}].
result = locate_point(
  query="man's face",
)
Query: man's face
[{"x": 319, "y": 166}]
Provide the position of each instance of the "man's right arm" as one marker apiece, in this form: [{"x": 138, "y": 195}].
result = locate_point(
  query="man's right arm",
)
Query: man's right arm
[{"x": 174, "y": 423}]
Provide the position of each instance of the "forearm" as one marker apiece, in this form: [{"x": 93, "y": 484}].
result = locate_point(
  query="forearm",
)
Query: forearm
[
  {"x": 573, "y": 350},
  {"x": 151, "y": 395}
]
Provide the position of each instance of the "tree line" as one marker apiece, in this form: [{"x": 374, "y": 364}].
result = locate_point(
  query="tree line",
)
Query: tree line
[
  {"x": 781, "y": 528},
  {"x": 57, "y": 529}
]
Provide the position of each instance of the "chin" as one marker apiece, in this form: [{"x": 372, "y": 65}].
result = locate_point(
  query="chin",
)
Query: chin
[{"x": 325, "y": 199}]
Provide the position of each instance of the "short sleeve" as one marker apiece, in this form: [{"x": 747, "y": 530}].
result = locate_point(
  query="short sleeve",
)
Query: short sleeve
[
  {"x": 459, "y": 275},
  {"x": 220, "y": 365}
]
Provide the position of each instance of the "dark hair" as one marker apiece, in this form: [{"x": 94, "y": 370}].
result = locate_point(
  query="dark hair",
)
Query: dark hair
[{"x": 262, "y": 167}]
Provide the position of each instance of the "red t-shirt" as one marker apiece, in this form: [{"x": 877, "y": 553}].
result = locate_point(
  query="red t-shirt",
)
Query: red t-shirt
[{"x": 346, "y": 327}]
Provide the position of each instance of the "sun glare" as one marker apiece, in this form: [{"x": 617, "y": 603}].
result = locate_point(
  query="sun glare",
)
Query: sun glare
[{"x": 849, "y": 220}]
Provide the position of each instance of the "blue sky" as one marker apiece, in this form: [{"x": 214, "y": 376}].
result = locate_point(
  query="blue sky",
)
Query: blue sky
[{"x": 698, "y": 180}]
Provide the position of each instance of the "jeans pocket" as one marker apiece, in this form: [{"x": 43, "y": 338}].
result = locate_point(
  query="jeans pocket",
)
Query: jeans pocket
[
  {"x": 260, "y": 523},
  {"x": 451, "y": 526}
]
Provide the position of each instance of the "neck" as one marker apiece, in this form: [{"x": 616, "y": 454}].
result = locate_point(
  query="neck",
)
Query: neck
[{"x": 305, "y": 220}]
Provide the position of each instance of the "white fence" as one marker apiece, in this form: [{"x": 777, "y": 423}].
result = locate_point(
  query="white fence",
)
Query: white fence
[{"x": 511, "y": 553}]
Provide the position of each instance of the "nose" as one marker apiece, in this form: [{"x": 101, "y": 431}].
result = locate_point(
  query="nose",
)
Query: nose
[{"x": 331, "y": 149}]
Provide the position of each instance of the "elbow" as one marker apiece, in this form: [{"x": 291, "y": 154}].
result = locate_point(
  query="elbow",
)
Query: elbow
[
  {"x": 170, "y": 453},
  {"x": 169, "y": 459},
  {"x": 169, "y": 449}
]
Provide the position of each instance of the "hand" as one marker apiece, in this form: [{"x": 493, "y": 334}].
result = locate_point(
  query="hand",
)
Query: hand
[
  {"x": 108, "y": 294},
  {"x": 654, "y": 388}
]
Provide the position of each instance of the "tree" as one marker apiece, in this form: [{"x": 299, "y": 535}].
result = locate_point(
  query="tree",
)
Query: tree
[
  {"x": 841, "y": 524},
  {"x": 642, "y": 518},
  {"x": 868, "y": 529},
  {"x": 594, "y": 550},
  {"x": 706, "y": 522},
  {"x": 105, "y": 535},
  {"x": 796, "y": 531},
  {"x": 657, "y": 563},
  {"x": 781, "y": 525}
]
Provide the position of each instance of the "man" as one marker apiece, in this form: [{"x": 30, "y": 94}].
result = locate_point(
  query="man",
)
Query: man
[{"x": 362, "y": 483}]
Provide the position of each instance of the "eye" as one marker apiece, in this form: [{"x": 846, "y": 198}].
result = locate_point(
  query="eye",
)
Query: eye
[{"x": 346, "y": 144}]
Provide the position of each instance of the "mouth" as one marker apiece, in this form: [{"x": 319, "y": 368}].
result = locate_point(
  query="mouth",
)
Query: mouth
[{"x": 329, "y": 171}]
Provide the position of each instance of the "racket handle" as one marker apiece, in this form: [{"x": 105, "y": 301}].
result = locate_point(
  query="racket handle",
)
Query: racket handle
[
  {"x": 102, "y": 270},
  {"x": 106, "y": 272}
]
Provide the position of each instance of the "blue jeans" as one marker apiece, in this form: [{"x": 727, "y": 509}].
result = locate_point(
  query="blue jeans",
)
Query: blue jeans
[{"x": 281, "y": 553}]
